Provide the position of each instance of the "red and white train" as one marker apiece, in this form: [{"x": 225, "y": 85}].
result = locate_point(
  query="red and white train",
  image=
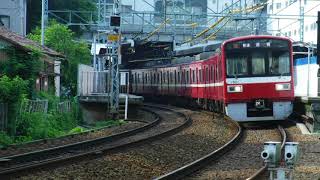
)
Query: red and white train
[{"x": 248, "y": 78}]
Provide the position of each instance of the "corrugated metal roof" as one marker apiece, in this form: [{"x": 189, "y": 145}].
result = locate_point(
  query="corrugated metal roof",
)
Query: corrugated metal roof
[{"x": 25, "y": 43}]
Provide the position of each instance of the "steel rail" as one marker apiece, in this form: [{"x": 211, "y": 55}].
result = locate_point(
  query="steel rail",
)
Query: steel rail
[
  {"x": 55, "y": 161},
  {"x": 7, "y": 161},
  {"x": 199, "y": 163},
  {"x": 264, "y": 168}
]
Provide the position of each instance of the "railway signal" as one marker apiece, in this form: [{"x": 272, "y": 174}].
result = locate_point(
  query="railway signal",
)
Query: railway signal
[{"x": 272, "y": 158}]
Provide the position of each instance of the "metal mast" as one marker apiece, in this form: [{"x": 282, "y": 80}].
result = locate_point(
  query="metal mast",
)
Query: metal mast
[
  {"x": 301, "y": 13},
  {"x": 115, "y": 59},
  {"x": 44, "y": 19}
]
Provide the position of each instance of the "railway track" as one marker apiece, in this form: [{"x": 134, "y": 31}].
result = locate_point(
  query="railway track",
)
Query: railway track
[
  {"x": 48, "y": 158},
  {"x": 245, "y": 158},
  {"x": 203, "y": 161}
]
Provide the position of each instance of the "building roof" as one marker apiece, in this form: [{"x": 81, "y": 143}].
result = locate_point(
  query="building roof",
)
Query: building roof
[{"x": 26, "y": 44}]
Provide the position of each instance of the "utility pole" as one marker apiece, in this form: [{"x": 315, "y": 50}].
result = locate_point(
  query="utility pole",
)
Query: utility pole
[
  {"x": 44, "y": 19},
  {"x": 301, "y": 14},
  {"x": 318, "y": 51},
  {"x": 318, "y": 39},
  {"x": 115, "y": 38}
]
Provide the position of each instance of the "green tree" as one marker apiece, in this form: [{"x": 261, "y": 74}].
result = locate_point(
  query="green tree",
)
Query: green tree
[
  {"x": 12, "y": 91},
  {"x": 34, "y": 10},
  {"x": 60, "y": 38}
]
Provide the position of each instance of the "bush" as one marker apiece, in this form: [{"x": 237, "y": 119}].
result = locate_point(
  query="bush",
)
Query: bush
[
  {"x": 77, "y": 130},
  {"x": 5, "y": 140}
]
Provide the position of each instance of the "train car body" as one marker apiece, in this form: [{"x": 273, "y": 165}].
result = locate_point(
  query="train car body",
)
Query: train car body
[
  {"x": 306, "y": 77},
  {"x": 248, "y": 78}
]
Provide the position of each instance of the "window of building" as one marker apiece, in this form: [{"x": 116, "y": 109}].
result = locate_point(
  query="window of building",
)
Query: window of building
[
  {"x": 279, "y": 5},
  {"x": 5, "y": 21},
  {"x": 306, "y": 28},
  {"x": 287, "y": 3},
  {"x": 271, "y": 7},
  {"x": 214, "y": 1},
  {"x": 289, "y": 33},
  {"x": 295, "y": 32}
]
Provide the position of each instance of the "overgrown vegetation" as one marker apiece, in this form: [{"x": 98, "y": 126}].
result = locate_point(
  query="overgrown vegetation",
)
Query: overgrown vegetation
[
  {"x": 60, "y": 38},
  {"x": 109, "y": 123},
  {"x": 12, "y": 90}
]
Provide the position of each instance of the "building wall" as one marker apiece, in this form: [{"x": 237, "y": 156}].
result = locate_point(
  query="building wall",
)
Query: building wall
[
  {"x": 289, "y": 25},
  {"x": 13, "y": 14}
]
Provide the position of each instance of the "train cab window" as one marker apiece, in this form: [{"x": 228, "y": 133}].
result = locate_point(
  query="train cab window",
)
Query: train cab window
[
  {"x": 279, "y": 63},
  {"x": 258, "y": 64},
  {"x": 237, "y": 66}
]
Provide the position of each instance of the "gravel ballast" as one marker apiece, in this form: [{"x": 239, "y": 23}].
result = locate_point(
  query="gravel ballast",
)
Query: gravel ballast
[
  {"x": 243, "y": 160},
  {"x": 154, "y": 159}
]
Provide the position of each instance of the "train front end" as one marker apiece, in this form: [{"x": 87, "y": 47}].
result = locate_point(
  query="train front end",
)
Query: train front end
[{"x": 258, "y": 78}]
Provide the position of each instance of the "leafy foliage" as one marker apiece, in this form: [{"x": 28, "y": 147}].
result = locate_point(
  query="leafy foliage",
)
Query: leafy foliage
[
  {"x": 77, "y": 130},
  {"x": 34, "y": 10},
  {"x": 12, "y": 89},
  {"x": 5, "y": 139},
  {"x": 61, "y": 39},
  {"x": 11, "y": 92}
]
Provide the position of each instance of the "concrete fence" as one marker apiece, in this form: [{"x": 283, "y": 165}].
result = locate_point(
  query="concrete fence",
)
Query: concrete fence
[{"x": 99, "y": 83}]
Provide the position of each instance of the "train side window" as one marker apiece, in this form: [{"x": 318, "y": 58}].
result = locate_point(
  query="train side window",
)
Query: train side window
[
  {"x": 220, "y": 72},
  {"x": 217, "y": 77},
  {"x": 167, "y": 78},
  {"x": 207, "y": 74},
  {"x": 183, "y": 77},
  {"x": 175, "y": 76},
  {"x": 193, "y": 76},
  {"x": 211, "y": 73},
  {"x": 200, "y": 75},
  {"x": 187, "y": 77}
]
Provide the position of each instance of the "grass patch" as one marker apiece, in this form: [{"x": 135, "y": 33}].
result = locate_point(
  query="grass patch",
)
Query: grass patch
[{"x": 109, "y": 123}]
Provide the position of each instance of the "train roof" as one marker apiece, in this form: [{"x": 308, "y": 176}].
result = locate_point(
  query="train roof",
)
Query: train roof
[{"x": 255, "y": 37}]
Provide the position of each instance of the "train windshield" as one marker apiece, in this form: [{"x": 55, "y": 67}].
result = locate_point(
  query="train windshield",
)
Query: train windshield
[{"x": 257, "y": 61}]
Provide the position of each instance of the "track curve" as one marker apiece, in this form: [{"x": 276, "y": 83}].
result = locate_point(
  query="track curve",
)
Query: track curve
[{"x": 199, "y": 163}]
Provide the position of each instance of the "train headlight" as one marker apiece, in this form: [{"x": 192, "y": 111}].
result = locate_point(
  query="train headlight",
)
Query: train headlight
[
  {"x": 283, "y": 87},
  {"x": 235, "y": 88}
]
